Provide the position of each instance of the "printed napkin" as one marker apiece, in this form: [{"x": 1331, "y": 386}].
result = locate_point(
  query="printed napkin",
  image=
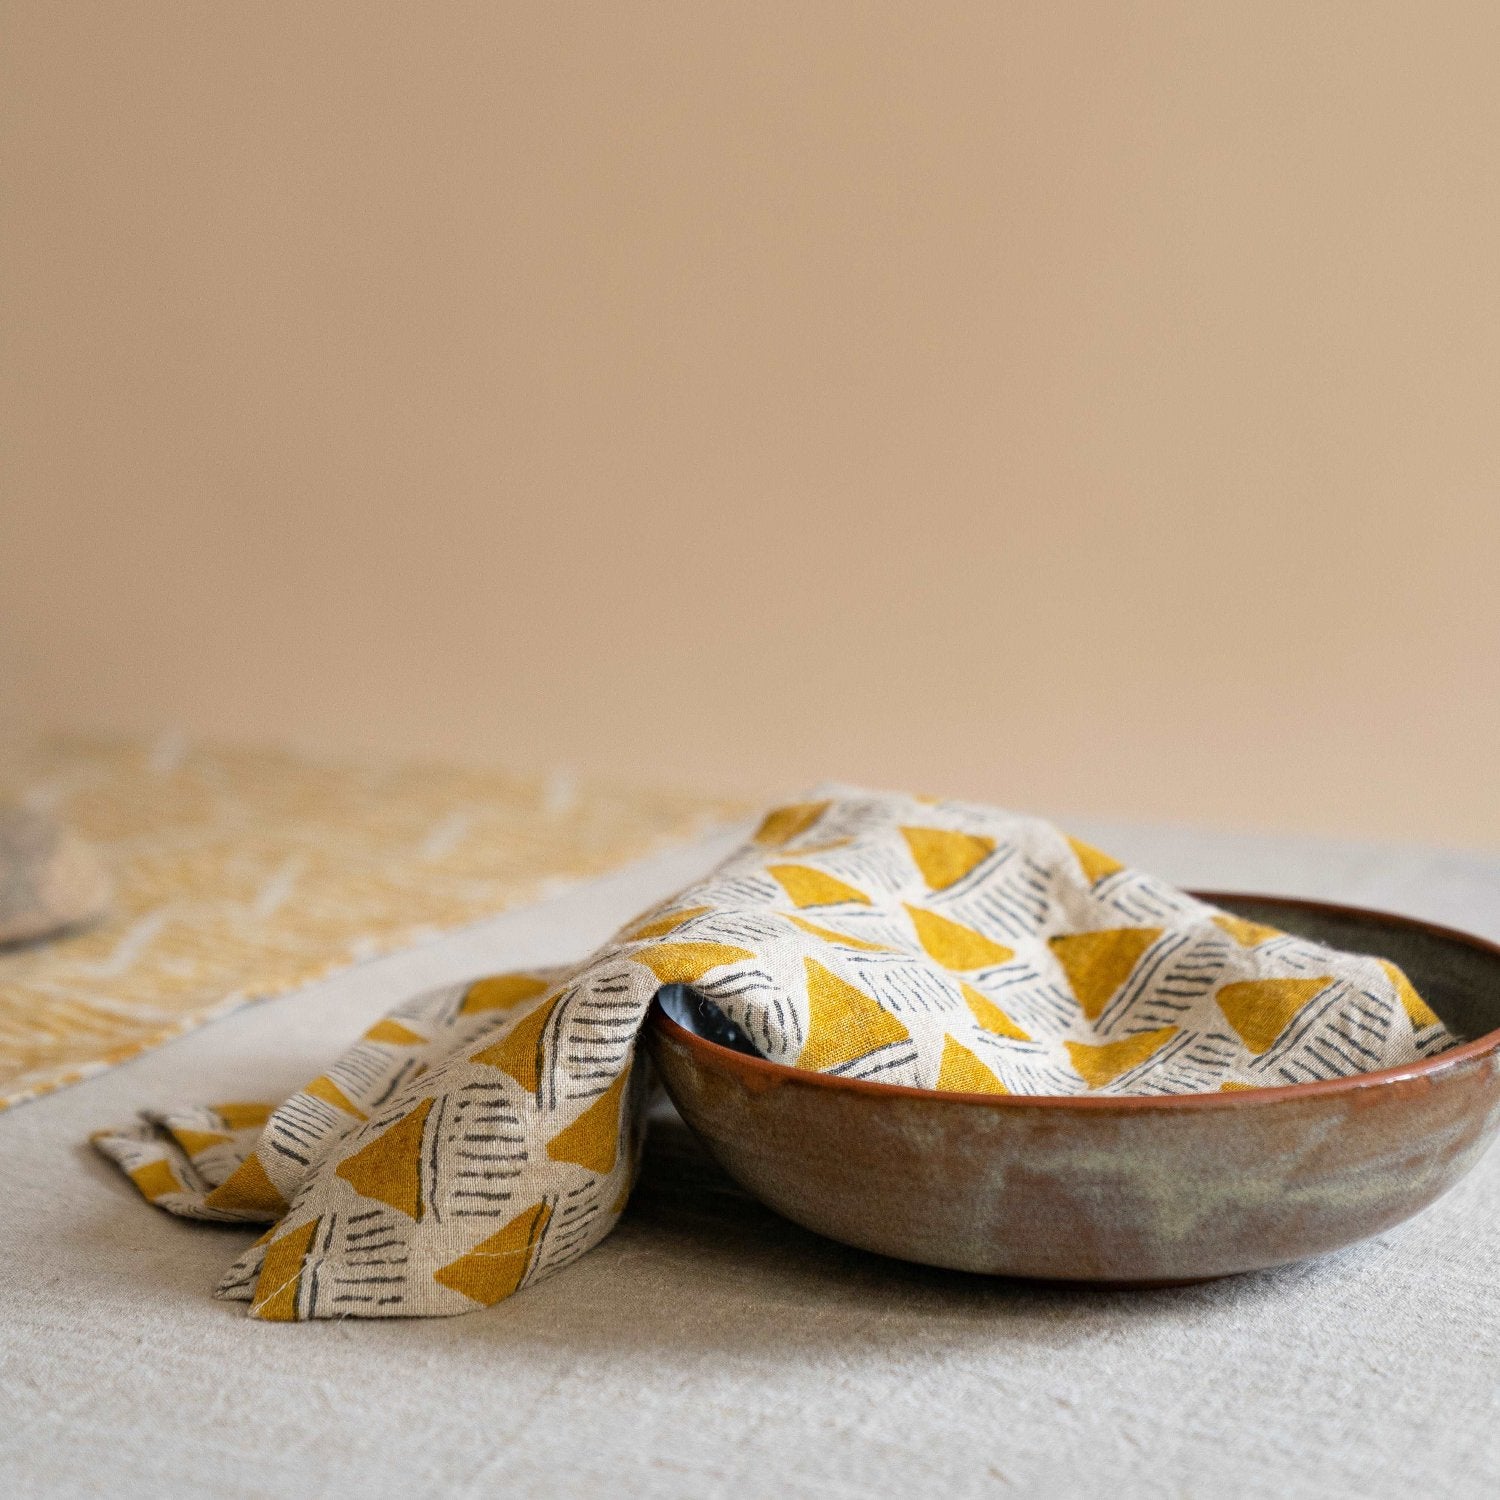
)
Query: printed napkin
[{"x": 487, "y": 1134}]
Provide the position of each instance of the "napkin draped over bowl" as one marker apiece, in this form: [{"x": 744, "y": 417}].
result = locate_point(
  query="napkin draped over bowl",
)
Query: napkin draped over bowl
[{"x": 486, "y": 1134}]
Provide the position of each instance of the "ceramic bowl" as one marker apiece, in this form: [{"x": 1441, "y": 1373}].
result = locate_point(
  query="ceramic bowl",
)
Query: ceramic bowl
[{"x": 1124, "y": 1190}]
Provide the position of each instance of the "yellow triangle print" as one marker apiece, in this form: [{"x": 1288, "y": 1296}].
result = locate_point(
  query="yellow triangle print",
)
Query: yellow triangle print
[
  {"x": 394, "y": 1034},
  {"x": 955, "y": 946},
  {"x": 329, "y": 1092},
  {"x": 519, "y": 1051},
  {"x": 1095, "y": 862},
  {"x": 830, "y": 936},
  {"x": 1098, "y": 963},
  {"x": 1260, "y": 1009},
  {"x": 1099, "y": 1064},
  {"x": 663, "y": 925},
  {"x": 1246, "y": 933},
  {"x": 1420, "y": 1013},
  {"x": 945, "y": 857},
  {"x": 843, "y": 1022},
  {"x": 196, "y": 1141},
  {"x": 1231, "y": 1087},
  {"x": 687, "y": 963},
  {"x": 592, "y": 1141},
  {"x": 244, "y": 1116},
  {"x": 501, "y": 992},
  {"x": 248, "y": 1190},
  {"x": 156, "y": 1179},
  {"x": 782, "y": 824},
  {"x": 496, "y": 1267},
  {"x": 809, "y": 887},
  {"x": 275, "y": 1296},
  {"x": 990, "y": 1016},
  {"x": 389, "y": 1168},
  {"x": 963, "y": 1073}
]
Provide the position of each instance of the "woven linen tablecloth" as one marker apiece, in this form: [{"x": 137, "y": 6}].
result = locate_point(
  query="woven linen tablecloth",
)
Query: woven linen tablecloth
[
  {"x": 709, "y": 1348},
  {"x": 244, "y": 873}
]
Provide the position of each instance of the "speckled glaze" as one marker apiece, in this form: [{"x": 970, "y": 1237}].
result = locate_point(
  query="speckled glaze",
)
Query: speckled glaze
[{"x": 1122, "y": 1190}]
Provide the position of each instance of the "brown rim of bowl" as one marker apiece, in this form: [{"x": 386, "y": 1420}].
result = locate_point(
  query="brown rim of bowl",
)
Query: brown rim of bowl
[{"x": 1431, "y": 1067}]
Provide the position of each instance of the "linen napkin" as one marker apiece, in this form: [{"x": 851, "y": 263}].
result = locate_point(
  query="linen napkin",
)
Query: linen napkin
[{"x": 487, "y": 1134}]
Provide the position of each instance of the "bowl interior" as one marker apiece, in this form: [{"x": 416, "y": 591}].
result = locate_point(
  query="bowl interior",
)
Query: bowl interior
[{"x": 1459, "y": 977}]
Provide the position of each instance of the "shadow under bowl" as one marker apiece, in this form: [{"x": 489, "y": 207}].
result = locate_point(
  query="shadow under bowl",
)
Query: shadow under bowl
[{"x": 1120, "y": 1189}]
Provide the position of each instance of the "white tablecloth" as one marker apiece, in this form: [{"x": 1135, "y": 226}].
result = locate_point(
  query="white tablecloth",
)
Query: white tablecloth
[{"x": 709, "y": 1348}]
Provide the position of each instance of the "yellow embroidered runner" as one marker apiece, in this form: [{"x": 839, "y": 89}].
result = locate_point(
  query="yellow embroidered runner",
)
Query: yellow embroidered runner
[{"x": 242, "y": 873}]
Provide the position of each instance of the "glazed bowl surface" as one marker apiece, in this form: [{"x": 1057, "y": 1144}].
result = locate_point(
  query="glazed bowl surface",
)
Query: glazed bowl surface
[{"x": 1123, "y": 1190}]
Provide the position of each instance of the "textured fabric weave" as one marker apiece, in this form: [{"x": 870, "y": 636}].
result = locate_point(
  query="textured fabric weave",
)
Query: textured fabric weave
[
  {"x": 241, "y": 874},
  {"x": 486, "y": 1134}
]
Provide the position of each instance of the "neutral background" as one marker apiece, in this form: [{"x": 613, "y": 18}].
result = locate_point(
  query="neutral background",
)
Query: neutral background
[{"x": 1086, "y": 406}]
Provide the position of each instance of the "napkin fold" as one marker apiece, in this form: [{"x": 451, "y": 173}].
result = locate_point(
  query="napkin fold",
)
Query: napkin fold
[{"x": 486, "y": 1134}]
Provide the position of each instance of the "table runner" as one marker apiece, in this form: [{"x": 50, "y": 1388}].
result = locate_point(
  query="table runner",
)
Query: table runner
[{"x": 243, "y": 873}]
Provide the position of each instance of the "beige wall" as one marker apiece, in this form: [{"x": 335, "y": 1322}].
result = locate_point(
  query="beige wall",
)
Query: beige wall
[{"x": 1087, "y": 406}]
